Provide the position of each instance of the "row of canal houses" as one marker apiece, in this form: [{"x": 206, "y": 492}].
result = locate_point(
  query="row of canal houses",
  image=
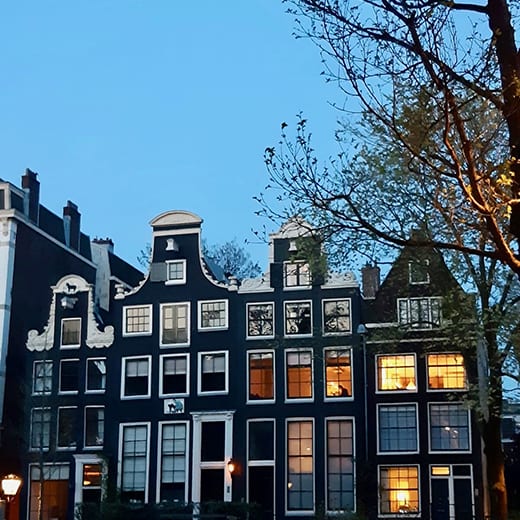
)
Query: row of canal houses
[{"x": 301, "y": 391}]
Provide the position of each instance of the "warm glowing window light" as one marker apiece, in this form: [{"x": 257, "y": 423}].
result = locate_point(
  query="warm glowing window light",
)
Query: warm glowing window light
[{"x": 396, "y": 373}]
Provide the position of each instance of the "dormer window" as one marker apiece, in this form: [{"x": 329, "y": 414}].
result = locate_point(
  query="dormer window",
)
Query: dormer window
[
  {"x": 70, "y": 332},
  {"x": 419, "y": 313},
  {"x": 296, "y": 274},
  {"x": 418, "y": 272},
  {"x": 175, "y": 272}
]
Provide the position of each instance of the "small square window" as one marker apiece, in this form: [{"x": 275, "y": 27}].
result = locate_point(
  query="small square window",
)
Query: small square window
[
  {"x": 135, "y": 380},
  {"x": 299, "y": 374},
  {"x": 175, "y": 324},
  {"x": 261, "y": 376},
  {"x": 298, "y": 318},
  {"x": 399, "y": 490},
  {"x": 260, "y": 322},
  {"x": 69, "y": 373},
  {"x": 67, "y": 428},
  {"x": 94, "y": 426},
  {"x": 336, "y": 316},
  {"x": 296, "y": 274},
  {"x": 137, "y": 320},
  {"x": 338, "y": 373},
  {"x": 213, "y": 376},
  {"x": 71, "y": 332},
  {"x": 213, "y": 315},
  {"x": 419, "y": 272},
  {"x": 446, "y": 372},
  {"x": 396, "y": 373},
  {"x": 42, "y": 377},
  {"x": 174, "y": 375},
  {"x": 96, "y": 375},
  {"x": 175, "y": 272}
]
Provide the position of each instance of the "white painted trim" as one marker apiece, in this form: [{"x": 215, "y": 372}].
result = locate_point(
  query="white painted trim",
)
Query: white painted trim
[
  {"x": 176, "y": 281},
  {"x": 292, "y": 302},
  {"x": 270, "y": 336},
  {"x": 226, "y": 372},
  {"x": 378, "y": 429},
  {"x": 44, "y": 362},
  {"x": 144, "y": 333},
  {"x": 97, "y": 391},
  {"x": 123, "y": 376},
  {"x": 260, "y": 401},
  {"x": 75, "y": 445},
  {"x": 67, "y": 392},
  {"x": 341, "y": 333},
  {"x": 288, "y": 399},
  {"x": 403, "y": 391},
  {"x": 393, "y": 515},
  {"x": 162, "y": 357},
  {"x": 81, "y": 460},
  {"x": 334, "y": 399},
  {"x": 468, "y": 415},
  {"x": 200, "y": 303},
  {"x": 445, "y": 389},
  {"x": 73, "y": 345},
  {"x": 188, "y": 323},
  {"x": 97, "y": 446}
]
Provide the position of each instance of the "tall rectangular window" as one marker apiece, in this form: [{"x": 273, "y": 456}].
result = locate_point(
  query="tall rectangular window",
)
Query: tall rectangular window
[
  {"x": 261, "y": 375},
  {"x": 296, "y": 274},
  {"x": 420, "y": 313},
  {"x": 398, "y": 490},
  {"x": 298, "y": 374},
  {"x": 260, "y": 320},
  {"x": 338, "y": 374},
  {"x": 175, "y": 323},
  {"x": 336, "y": 316},
  {"x": 174, "y": 375},
  {"x": 300, "y": 466},
  {"x": 213, "y": 377},
  {"x": 69, "y": 375},
  {"x": 446, "y": 372},
  {"x": 298, "y": 318},
  {"x": 42, "y": 377},
  {"x": 70, "y": 332},
  {"x": 135, "y": 378},
  {"x": 173, "y": 458},
  {"x": 137, "y": 320},
  {"x": 40, "y": 428},
  {"x": 134, "y": 453},
  {"x": 67, "y": 426},
  {"x": 397, "y": 428},
  {"x": 48, "y": 491},
  {"x": 340, "y": 465},
  {"x": 449, "y": 427},
  {"x": 96, "y": 375},
  {"x": 94, "y": 426},
  {"x": 213, "y": 315},
  {"x": 396, "y": 373}
]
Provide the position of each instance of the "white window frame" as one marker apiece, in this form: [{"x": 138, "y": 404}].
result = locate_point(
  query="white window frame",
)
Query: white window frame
[
  {"x": 147, "y": 332},
  {"x": 201, "y": 304},
  {"x": 444, "y": 389},
  {"x": 286, "y": 378},
  {"x": 340, "y": 333},
  {"x": 162, "y": 358},
  {"x": 82, "y": 460},
  {"x": 396, "y": 391},
  {"x": 41, "y": 409},
  {"x": 46, "y": 378},
  {"x": 226, "y": 373},
  {"x": 96, "y": 446},
  {"x": 122, "y": 426},
  {"x": 285, "y": 318},
  {"x": 339, "y": 348},
  {"x": 188, "y": 322},
  {"x": 74, "y": 433},
  {"x": 186, "y": 457},
  {"x": 468, "y": 415},
  {"x": 99, "y": 390},
  {"x": 419, "y": 325},
  {"x": 378, "y": 425},
  {"x": 124, "y": 360},
  {"x": 68, "y": 392},
  {"x": 264, "y": 336},
  {"x": 260, "y": 401},
  {"x": 175, "y": 281},
  {"x": 71, "y": 345},
  {"x": 411, "y": 263},
  {"x": 297, "y": 286},
  {"x": 404, "y": 465}
]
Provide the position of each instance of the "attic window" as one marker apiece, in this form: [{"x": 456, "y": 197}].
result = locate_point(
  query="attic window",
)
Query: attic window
[
  {"x": 418, "y": 272},
  {"x": 296, "y": 274},
  {"x": 176, "y": 272}
]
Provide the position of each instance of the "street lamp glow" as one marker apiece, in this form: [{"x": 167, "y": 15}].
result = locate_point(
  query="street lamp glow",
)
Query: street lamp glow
[{"x": 10, "y": 486}]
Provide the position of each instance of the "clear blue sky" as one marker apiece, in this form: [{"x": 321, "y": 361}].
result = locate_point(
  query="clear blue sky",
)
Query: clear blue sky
[{"x": 133, "y": 107}]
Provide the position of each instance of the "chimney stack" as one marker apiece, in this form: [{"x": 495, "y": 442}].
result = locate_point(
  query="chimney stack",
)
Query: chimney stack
[
  {"x": 71, "y": 225},
  {"x": 370, "y": 276},
  {"x": 31, "y": 187}
]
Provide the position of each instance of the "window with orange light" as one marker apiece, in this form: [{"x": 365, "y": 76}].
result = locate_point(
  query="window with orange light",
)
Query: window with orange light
[
  {"x": 261, "y": 375},
  {"x": 338, "y": 375},
  {"x": 399, "y": 489},
  {"x": 446, "y": 371},
  {"x": 299, "y": 374},
  {"x": 396, "y": 372}
]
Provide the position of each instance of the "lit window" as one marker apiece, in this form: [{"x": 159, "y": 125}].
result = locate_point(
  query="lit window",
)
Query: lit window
[
  {"x": 299, "y": 374},
  {"x": 418, "y": 271},
  {"x": 96, "y": 375},
  {"x": 137, "y": 320},
  {"x": 42, "y": 377},
  {"x": 213, "y": 372},
  {"x": 260, "y": 320},
  {"x": 338, "y": 375},
  {"x": 174, "y": 375},
  {"x": 134, "y": 462},
  {"x": 175, "y": 272},
  {"x": 449, "y": 427},
  {"x": 296, "y": 274},
  {"x": 70, "y": 332},
  {"x": 446, "y": 371},
  {"x": 213, "y": 315},
  {"x": 399, "y": 489},
  {"x": 92, "y": 481},
  {"x": 67, "y": 427},
  {"x": 261, "y": 376},
  {"x": 135, "y": 380},
  {"x": 69, "y": 371},
  {"x": 340, "y": 465},
  {"x": 300, "y": 466},
  {"x": 397, "y": 428},
  {"x": 175, "y": 323},
  {"x": 420, "y": 313},
  {"x": 40, "y": 428},
  {"x": 49, "y": 488},
  {"x": 173, "y": 458},
  {"x": 298, "y": 319},
  {"x": 336, "y": 316},
  {"x": 396, "y": 373},
  {"x": 94, "y": 426}
]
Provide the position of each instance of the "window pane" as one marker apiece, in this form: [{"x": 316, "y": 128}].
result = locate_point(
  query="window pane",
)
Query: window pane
[
  {"x": 396, "y": 373},
  {"x": 449, "y": 427},
  {"x": 338, "y": 373},
  {"x": 446, "y": 371},
  {"x": 397, "y": 428},
  {"x": 42, "y": 377},
  {"x": 260, "y": 320},
  {"x": 299, "y": 374},
  {"x": 340, "y": 466},
  {"x": 136, "y": 377},
  {"x": 296, "y": 274},
  {"x": 261, "y": 376},
  {"x": 67, "y": 427},
  {"x": 298, "y": 318},
  {"x": 399, "y": 489},
  {"x": 174, "y": 377},
  {"x": 175, "y": 323},
  {"x": 173, "y": 462},
  {"x": 40, "y": 428},
  {"x": 70, "y": 332},
  {"x": 213, "y": 373},
  {"x": 134, "y": 462},
  {"x": 336, "y": 316},
  {"x": 261, "y": 440},
  {"x": 96, "y": 374},
  {"x": 94, "y": 425},
  {"x": 213, "y": 314},
  {"x": 300, "y": 492},
  {"x": 137, "y": 320},
  {"x": 69, "y": 370}
]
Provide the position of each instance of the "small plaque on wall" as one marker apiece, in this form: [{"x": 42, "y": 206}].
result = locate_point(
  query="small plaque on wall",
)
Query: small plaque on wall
[{"x": 173, "y": 406}]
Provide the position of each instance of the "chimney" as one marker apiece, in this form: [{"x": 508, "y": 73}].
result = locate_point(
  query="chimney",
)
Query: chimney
[
  {"x": 71, "y": 225},
  {"x": 31, "y": 187},
  {"x": 370, "y": 280},
  {"x": 106, "y": 243}
]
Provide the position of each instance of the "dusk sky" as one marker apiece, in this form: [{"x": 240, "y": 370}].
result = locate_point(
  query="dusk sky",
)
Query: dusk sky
[{"x": 134, "y": 107}]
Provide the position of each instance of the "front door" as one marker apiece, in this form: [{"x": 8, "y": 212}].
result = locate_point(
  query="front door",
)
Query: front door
[{"x": 451, "y": 492}]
